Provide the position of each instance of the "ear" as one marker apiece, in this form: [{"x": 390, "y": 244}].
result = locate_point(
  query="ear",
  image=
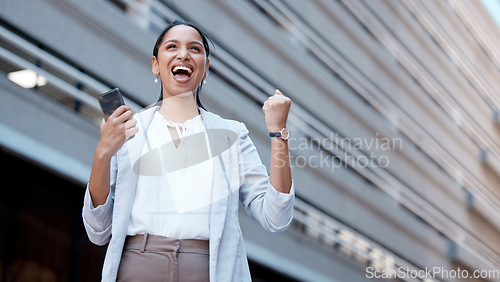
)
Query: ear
[
  {"x": 154, "y": 66},
  {"x": 206, "y": 68}
]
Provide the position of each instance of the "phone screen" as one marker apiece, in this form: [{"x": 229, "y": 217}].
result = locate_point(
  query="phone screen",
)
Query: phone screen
[{"x": 110, "y": 101}]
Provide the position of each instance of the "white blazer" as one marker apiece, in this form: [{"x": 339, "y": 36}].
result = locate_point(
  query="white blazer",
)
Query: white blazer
[{"x": 238, "y": 174}]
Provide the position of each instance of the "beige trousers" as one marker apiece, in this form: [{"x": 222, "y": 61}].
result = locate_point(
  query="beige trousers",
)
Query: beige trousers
[{"x": 156, "y": 258}]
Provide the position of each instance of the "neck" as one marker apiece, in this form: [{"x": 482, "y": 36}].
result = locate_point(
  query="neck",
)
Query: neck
[{"x": 179, "y": 108}]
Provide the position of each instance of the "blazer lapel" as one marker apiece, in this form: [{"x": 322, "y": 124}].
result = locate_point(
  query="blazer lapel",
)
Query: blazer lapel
[
  {"x": 128, "y": 170},
  {"x": 126, "y": 183},
  {"x": 219, "y": 142}
]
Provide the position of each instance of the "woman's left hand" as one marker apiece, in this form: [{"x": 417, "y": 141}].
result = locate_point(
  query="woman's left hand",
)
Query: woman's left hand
[{"x": 276, "y": 110}]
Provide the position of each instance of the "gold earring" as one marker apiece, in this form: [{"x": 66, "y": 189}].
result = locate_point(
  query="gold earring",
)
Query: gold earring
[{"x": 156, "y": 78}]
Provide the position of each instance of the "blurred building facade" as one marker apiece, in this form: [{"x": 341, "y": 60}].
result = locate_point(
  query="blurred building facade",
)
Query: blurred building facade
[{"x": 395, "y": 126}]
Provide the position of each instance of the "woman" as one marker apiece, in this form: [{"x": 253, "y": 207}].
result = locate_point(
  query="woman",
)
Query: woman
[{"x": 167, "y": 199}]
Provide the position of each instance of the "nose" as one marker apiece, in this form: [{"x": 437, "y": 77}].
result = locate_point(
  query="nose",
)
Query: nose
[{"x": 182, "y": 54}]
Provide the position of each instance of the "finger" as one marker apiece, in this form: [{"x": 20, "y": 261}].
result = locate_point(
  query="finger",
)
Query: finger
[
  {"x": 120, "y": 110},
  {"x": 125, "y": 116},
  {"x": 277, "y": 92},
  {"x": 131, "y": 132},
  {"x": 130, "y": 123}
]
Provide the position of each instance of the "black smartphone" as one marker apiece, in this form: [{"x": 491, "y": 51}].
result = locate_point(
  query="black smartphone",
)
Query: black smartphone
[{"x": 110, "y": 101}]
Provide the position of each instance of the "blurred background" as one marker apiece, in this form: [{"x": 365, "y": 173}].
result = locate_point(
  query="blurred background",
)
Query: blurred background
[{"x": 395, "y": 128}]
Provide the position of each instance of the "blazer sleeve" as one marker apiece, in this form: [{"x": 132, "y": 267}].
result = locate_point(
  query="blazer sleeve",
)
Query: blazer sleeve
[
  {"x": 272, "y": 209},
  {"x": 97, "y": 220}
]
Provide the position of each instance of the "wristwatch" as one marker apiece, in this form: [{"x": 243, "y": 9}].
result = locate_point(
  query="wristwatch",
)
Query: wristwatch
[{"x": 283, "y": 134}]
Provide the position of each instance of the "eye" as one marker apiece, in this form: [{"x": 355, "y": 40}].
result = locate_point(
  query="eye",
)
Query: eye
[
  {"x": 196, "y": 48},
  {"x": 170, "y": 46}
]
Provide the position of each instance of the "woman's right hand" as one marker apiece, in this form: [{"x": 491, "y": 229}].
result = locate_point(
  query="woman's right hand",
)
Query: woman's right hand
[{"x": 116, "y": 130}]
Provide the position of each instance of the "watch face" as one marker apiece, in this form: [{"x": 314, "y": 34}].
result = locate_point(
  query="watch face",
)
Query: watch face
[{"x": 285, "y": 134}]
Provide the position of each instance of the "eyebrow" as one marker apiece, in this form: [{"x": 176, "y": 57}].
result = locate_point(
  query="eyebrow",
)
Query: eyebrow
[{"x": 177, "y": 41}]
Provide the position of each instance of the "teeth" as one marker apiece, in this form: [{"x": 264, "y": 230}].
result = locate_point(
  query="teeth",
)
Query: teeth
[{"x": 176, "y": 68}]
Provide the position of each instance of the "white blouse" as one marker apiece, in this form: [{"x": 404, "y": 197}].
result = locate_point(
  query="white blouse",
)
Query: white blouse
[{"x": 175, "y": 204}]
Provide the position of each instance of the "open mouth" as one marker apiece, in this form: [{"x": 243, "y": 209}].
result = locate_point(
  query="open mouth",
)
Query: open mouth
[{"x": 182, "y": 73}]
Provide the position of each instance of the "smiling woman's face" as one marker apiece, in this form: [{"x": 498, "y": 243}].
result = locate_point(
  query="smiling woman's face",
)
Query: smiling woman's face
[{"x": 181, "y": 61}]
